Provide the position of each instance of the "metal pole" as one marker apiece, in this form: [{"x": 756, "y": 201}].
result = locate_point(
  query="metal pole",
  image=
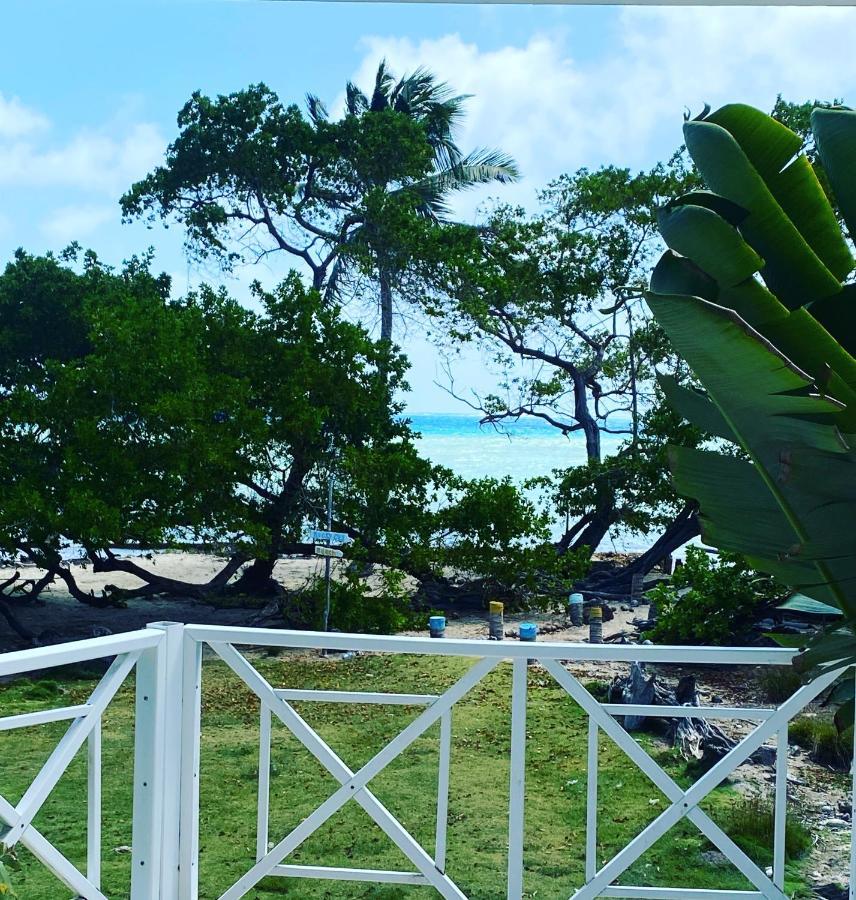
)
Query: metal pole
[{"x": 327, "y": 559}]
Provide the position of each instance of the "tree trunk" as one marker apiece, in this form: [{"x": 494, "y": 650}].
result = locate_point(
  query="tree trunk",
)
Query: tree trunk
[
  {"x": 257, "y": 579},
  {"x": 385, "y": 305},
  {"x": 683, "y": 528}
]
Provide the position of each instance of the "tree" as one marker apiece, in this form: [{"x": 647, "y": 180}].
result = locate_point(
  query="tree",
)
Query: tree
[
  {"x": 95, "y": 443},
  {"x": 176, "y": 420},
  {"x": 555, "y": 300},
  {"x": 420, "y": 97},
  {"x": 248, "y": 176},
  {"x": 153, "y": 422},
  {"x": 754, "y": 292}
]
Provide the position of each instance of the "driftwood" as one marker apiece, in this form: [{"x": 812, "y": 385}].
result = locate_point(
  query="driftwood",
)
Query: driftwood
[
  {"x": 614, "y": 584},
  {"x": 696, "y": 739}
]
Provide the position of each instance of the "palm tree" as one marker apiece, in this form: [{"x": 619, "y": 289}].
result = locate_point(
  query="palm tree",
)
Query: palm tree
[{"x": 432, "y": 104}]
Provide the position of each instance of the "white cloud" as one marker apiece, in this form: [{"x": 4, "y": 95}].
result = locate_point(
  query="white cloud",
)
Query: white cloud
[
  {"x": 17, "y": 120},
  {"x": 99, "y": 161},
  {"x": 555, "y": 112},
  {"x": 69, "y": 223}
]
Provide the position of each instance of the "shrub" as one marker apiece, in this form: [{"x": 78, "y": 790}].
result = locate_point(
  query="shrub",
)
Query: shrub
[
  {"x": 778, "y": 683},
  {"x": 750, "y": 824},
  {"x": 722, "y": 600},
  {"x": 354, "y": 605},
  {"x": 823, "y": 741}
]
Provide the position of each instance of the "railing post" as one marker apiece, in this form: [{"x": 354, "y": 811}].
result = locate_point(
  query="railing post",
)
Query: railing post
[
  {"x": 263, "y": 811},
  {"x": 93, "y": 806},
  {"x": 191, "y": 691},
  {"x": 444, "y": 767},
  {"x": 780, "y": 809},
  {"x": 157, "y": 751},
  {"x": 591, "y": 801},
  {"x": 517, "y": 792}
]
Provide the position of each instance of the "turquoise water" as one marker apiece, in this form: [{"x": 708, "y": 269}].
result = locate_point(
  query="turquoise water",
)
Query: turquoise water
[{"x": 522, "y": 450}]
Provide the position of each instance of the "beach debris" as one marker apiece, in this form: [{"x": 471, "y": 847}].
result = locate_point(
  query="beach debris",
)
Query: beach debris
[{"x": 694, "y": 738}]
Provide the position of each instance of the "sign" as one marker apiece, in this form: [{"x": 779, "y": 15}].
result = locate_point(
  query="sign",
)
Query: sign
[
  {"x": 330, "y": 537},
  {"x": 328, "y": 551}
]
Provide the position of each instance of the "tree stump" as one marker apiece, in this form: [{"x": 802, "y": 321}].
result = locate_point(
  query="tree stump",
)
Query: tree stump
[{"x": 695, "y": 738}]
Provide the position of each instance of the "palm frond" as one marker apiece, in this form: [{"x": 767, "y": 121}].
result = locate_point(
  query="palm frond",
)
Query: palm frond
[
  {"x": 356, "y": 102},
  {"x": 383, "y": 86},
  {"x": 478, "y": 167},
  {"x": 317, "y": 109}
]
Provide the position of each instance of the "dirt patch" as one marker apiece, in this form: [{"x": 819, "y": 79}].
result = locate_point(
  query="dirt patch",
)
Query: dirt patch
[{"x": 59, "y": 617}]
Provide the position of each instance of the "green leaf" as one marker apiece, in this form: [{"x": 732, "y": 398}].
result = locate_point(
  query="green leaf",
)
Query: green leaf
[
  {"x": 675, "y": 274},
  {"x": 832, "y": 648},
  {"x": 835, "y": 133},
  {"x": 695, "y": 406},
  {"x": 731, "y": 212},
  {"x": 792, "y": 269},
  {"x": 772, "y": 149},
  {"x": 772, "y": 506},
  {"x": 710, "y": 242},
  {"x": 837, "y": 314},
  {"x": 767, "y": 143}
]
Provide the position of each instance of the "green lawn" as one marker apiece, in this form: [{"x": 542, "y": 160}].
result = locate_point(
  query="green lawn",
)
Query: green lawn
[{"x": 556, "y": 785}]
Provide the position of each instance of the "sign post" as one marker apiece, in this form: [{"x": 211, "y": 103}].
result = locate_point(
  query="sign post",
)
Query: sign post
[
  {"x": 328, "y": 552},
  {"x": 327, "y": 558}
]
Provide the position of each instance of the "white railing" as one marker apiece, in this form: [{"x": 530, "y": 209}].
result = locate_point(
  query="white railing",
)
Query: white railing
[{"x": 168, "y": 659}]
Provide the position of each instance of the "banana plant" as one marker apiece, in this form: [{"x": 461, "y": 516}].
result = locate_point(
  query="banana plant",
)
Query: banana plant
[{"x": 754, "y": 293}]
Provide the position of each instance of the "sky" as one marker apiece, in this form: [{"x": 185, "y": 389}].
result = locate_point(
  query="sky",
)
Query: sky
[{"x": 89, "y": 93}]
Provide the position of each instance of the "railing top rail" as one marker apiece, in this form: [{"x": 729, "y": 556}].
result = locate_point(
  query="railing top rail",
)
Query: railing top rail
[
  {"x": 653, "y": 653},
  {"x": 20, "y": 661}
]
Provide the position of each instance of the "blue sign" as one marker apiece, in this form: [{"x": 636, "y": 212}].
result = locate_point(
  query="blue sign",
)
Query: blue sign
[{"x": 330, "y": 537}]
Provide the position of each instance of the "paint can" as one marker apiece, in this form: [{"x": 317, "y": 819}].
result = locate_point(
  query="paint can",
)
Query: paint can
[
  {"x": 496, "y": 626},
  {"x": 596, "y": 625}
]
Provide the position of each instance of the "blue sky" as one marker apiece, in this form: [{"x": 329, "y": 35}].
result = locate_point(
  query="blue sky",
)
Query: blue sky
[{"x": 89, "y": 92}]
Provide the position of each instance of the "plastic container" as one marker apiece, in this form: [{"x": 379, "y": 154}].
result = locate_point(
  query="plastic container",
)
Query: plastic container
[{"x": 528, "y": 631}]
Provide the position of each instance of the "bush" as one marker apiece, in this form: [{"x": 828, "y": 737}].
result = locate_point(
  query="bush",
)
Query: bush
[
  {"x": 823, "y": 741},
  {"x": 354, "y": 605},
  {"x": 778, "y": 683},
  {"x": 721, "y": 602},
  {"x": 750, "y": 824}
]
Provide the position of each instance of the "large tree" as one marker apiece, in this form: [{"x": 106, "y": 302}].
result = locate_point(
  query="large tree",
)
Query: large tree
[
  {"x": 248, "y": 176},
  {"x": 135, "y": 420},
  {"x": 554, "y": 301},
  {"x": 147, "y": 421}
]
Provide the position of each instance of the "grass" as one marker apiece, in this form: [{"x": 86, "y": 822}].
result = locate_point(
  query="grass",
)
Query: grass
[
  {"x": 750, "y": 823},
  {"x": 556, "y": 787},
  {"x": 823, "y": 741}
]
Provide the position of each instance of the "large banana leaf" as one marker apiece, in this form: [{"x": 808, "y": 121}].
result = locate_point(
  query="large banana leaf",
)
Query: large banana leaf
[
  {"x": 778, "y": 504},
  {"x": 752, "y": 293}
]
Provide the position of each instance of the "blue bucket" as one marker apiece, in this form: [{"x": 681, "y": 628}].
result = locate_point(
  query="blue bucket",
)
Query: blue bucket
[
  {"x": 437, "y": 626},
  {"x": 528, "y": 631}
]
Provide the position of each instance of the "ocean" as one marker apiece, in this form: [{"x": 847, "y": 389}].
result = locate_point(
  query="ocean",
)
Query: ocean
[{"x": 522, "y": 450}]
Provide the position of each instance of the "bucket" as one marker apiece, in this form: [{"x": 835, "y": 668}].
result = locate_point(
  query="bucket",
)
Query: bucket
[{"x": 437, "y": 626}]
